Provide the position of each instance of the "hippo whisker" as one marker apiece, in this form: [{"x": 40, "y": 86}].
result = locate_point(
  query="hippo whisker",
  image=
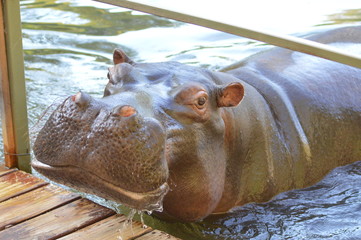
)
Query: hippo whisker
[{"x": 45, "y": 115}]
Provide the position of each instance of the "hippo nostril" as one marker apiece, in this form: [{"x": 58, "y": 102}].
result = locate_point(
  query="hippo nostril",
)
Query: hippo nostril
[
  {"x": 125, "y": 111},
  {"x": 81, "y": 99}
]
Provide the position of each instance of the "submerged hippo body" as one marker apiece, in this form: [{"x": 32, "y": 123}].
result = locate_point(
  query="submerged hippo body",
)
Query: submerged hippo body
[{"x": 208, "y": 141}]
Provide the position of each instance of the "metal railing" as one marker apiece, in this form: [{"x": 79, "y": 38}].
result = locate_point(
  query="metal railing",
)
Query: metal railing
[{"x": 285, "y": 41}]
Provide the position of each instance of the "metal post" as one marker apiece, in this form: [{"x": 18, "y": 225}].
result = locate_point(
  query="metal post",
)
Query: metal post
[{"x": 13, "y": 94}]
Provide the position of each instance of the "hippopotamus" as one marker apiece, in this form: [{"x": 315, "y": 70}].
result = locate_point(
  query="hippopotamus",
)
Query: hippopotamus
[{"x": 200, "y": 142}]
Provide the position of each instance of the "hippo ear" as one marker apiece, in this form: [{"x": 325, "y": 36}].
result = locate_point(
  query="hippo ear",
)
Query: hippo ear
[
  {"x": 120, "y": 57},
  {"x": 230, "y": 95}
]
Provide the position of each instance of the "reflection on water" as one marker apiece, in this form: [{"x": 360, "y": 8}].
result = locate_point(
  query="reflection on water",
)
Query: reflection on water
[
  {"x": 68, "y": 47},
  {"x": 346, "y": 16},
  {"x": 62, "y": 16}
]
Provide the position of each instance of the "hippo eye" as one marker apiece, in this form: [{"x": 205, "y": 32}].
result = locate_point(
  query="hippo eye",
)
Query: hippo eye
[{"x": 201, "y": 102}]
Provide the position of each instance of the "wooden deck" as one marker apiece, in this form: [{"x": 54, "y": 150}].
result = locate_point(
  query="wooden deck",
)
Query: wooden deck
[{"x": 31, "y": 208}]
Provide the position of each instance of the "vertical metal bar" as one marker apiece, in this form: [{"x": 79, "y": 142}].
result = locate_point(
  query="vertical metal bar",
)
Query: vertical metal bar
[{"x": 13, "y": 93}]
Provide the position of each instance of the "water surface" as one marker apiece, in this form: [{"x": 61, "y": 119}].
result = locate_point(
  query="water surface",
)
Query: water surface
[{"x": 68, "y": 47}]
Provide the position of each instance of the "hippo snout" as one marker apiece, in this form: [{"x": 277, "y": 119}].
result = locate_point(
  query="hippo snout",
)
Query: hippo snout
[{"x": 106, "y": 145}]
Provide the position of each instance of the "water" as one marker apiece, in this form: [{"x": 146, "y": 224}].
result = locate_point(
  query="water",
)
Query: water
[
  {"x": 327, "y": 210},
  {"x": 68, "y": 47},
  {"x": 128, "y": 223}
]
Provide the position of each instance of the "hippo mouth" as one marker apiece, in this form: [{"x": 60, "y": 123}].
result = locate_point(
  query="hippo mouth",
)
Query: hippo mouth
[
  {"x": 84, "y": 181},
  {"x": 111, "y": 151}
]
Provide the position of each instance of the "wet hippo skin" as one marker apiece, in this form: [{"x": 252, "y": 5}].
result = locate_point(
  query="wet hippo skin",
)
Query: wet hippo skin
[{"x": 202, "y": 142}]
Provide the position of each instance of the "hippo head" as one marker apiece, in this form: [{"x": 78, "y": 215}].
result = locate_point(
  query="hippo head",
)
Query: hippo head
[{"x": 156, "y": 136}]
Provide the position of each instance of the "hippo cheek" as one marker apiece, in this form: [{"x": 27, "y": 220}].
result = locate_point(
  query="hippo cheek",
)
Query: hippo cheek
[{"x": 120, "y": 159}]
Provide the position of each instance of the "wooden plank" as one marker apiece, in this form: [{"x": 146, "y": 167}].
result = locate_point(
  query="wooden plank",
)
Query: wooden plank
[
  {"x": 4, "y": 170},
  {"x": 157, "y": 235},
  {"x": 13, "y": 98},
  {"x": 59, "y": 222},
  {"x": 182, "y": 12},
  {"x": 32, "y": 204},
  {"x": 17, "y": 183},
  {"x": 29, "y": 210},
  {"x": 110, "y": 228}
]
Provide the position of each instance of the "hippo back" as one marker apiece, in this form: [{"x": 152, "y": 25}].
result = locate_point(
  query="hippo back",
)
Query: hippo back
[{"x": 316, "y": 103}]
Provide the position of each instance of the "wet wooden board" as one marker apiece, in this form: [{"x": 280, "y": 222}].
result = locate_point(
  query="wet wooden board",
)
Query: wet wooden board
[
  {"x": 19, "y": 209},
  {"x": 155, "y": 235},
  {"x": 17, "y": 183},
  {"x": 4, "y": 170},
  {"x": 115, "y": 227},
  {"x": 58, "y": 222},
  {"x": 31, "y": 208}
]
